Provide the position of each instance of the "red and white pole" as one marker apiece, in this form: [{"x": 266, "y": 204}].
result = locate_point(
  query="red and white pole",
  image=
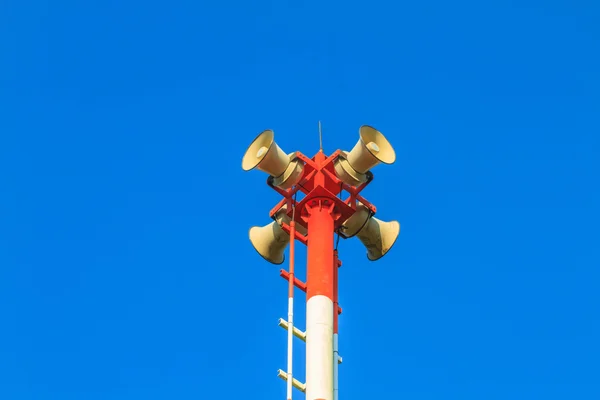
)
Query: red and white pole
[
  {"x": 319, "y": 304},
  {"x": 320, "y": 215}
]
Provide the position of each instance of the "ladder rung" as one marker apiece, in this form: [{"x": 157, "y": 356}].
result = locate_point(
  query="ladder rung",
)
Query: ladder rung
[
  {"x": 297, "y": 332},
  {"x": 295, "y": 382}
]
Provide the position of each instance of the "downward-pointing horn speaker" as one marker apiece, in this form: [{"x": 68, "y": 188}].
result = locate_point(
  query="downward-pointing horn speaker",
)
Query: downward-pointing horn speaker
[
  {"x": 378, "y": 237},
  {"x": 371, "y": 149},
  {"x": 271, "y": 240},
  {"x": 265, "y": 155}
]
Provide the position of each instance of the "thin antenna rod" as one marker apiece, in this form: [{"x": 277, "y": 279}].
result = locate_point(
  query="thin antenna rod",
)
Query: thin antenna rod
[{"x": 320, "y": 138}]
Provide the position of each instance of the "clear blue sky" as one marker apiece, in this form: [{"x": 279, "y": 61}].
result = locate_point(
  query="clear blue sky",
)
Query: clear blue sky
[{"x": 125, "y": 266}]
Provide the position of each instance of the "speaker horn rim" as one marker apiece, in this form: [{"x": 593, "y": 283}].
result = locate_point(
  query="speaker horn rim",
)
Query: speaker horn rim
[
  {"x": 363, "y": 131},
  {"x": 259, "y": 253},
  {"x": 391, "y": 245},
  {"x": 271, "y": 135}
]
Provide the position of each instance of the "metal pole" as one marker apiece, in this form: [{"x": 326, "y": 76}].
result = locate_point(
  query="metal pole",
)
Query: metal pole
[
  {"x": 336, "y": 353},
  {"x": 291, "y": 308},
  {"x": 319, "y": 305}
]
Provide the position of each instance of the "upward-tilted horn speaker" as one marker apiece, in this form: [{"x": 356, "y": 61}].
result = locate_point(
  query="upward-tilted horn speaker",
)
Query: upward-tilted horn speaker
[
  {"x": 271, "y": 240},
  {"x": 264, "y": 154},
  {"x": 371, "y": 149}
]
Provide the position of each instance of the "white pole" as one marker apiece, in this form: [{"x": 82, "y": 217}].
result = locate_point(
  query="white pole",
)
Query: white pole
[
  {"x": 336, "y": 356},
  {"x": 319, "y": 348},
  {"x": 290, "y": 343}
]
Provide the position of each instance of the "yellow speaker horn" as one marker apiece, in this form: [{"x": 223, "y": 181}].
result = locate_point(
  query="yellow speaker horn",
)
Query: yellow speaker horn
[
  {"x": 378, "y": 237},
  {"x": 265, "y": 155},
  {"x": 371, "y": 149},
  {"x": 271, "y": 240}
]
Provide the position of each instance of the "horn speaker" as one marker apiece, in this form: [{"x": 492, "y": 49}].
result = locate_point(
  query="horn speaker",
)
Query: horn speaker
[
  {"x": 357, "y": 221},
  {"x": 376, "y": 235},
  {"x": 271, "y": 240},
  {"x": 265, "y": 155},
  {"x": 371, "y": 149}
]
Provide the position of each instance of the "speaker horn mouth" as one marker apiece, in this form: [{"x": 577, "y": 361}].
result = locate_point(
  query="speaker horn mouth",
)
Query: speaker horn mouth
[
  {"x": 396, "y": 233},
  {"x": 377, "y": 144},
  {"x": 258, "y": 149},
  {"x": 252, "y": 232}
]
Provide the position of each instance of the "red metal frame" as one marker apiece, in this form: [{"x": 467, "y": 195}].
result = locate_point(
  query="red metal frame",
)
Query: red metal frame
[
  {"x": 321, "y": 188},
  {"x": 319, "y": 181}
]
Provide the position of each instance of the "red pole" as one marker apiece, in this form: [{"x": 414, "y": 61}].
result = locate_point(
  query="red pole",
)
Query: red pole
[
  {"x": 320, "y": 249},
  {"x": 319, "y": 300},
  {"x": 320, "y": 215}
]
